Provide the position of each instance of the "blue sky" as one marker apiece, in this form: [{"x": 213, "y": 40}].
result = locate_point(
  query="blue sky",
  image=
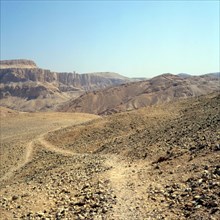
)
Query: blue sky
[{"x": 134, "y": 38}]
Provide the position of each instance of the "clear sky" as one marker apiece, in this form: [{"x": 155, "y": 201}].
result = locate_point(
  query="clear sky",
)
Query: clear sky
[{"x": 134, "y": 38}]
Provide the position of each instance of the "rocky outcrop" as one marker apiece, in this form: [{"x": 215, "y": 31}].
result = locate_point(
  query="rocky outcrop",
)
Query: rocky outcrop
[{"x": 21, "y": 63}]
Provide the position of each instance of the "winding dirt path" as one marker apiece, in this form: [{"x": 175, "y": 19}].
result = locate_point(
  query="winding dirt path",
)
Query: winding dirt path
[
  {"x": 28, "y": 155},
  {"x": 53, "y": 148},
  {"x": 27, "y": 158},
  {"x": 118, "y": 178},
  {"x": 129, "y": 189}
]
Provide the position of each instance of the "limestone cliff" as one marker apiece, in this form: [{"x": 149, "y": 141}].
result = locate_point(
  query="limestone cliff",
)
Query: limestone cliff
[
  {"x": 22, "y": 79},
  {"x": 20, "y": 63}
]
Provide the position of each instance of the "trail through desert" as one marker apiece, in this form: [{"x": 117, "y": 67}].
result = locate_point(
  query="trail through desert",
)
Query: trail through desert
[{"x": 152, "y": 163}]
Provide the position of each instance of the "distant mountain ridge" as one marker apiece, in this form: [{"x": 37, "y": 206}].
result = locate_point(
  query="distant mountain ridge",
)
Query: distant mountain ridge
[
  {"x": 26, "y": 87},
  {"x": 65, "y": 81},
  {"x": 184, "y": 75},
  {"x": 216, "y": 74},
  {"x": 109, "y": 75},
  {"x": 160, "y": 89}
]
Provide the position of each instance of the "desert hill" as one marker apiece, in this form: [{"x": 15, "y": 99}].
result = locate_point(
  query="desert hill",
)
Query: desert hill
[
  {"x": 158, "y": 162},
  {"x": 25, "y": 87},
  {"x": 129, "y": 96},
  {"x": 214, "y": 75},
  {"x": 184, "y": 75}
]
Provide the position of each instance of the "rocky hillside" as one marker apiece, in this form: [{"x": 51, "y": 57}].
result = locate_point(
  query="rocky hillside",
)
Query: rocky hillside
[
  {"x": 173, "y": 150},
  {"x": 28, "y": 88},
  {"x": 160, "y": 89},
  {"x": 158, "y": 162}
]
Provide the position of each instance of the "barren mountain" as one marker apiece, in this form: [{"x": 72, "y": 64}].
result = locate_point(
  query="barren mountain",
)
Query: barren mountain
[
  {"x": 28, "y": 88},
  {"x": 160, "y": 89},
  {"x": 158, "y": 162},
  {"x": 184, "y": 75}
]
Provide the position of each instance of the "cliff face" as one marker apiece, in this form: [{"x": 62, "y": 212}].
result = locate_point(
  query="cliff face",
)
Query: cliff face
[
  {"x": 71, "y": 80},
  {"x": 24, "y": 80},
  {"x": 21, "y": 63},
  {"x": 24, "y": 75},
  {"x": 88, "y": 81}
]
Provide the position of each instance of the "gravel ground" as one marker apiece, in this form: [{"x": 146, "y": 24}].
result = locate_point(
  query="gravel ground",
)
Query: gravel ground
[{"x": 158, "y": 162}]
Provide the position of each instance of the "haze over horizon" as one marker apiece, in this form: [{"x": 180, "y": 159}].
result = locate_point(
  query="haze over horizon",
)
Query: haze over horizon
[{"x": 133, "y": 38}]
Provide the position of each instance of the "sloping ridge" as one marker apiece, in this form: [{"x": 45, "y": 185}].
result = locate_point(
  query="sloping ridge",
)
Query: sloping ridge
[
  {"x": 160, "y": 89},
  {"x": 173, "y": 150}
]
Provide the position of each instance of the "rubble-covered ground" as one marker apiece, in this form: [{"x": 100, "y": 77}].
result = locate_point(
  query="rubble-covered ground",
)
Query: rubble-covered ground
[{"x": 159, "y": 162}]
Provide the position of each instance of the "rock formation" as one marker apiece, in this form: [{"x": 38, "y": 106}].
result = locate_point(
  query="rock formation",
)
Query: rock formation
[
  {"x": 22, "y": 81},
  {"x": 21, "y": 63}
]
